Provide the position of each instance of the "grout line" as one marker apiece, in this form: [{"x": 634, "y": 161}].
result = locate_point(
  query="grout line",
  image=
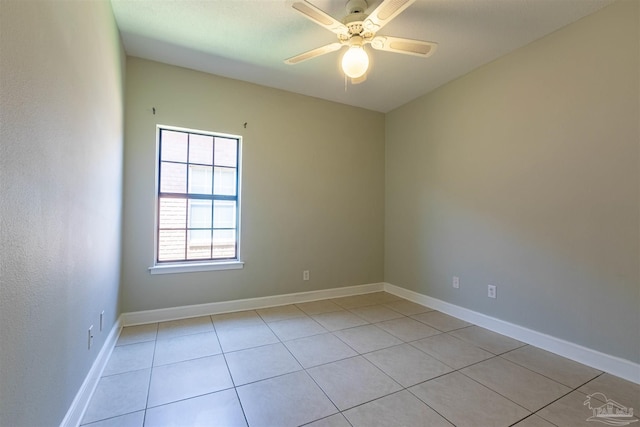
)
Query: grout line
[
  {"x": 529, "y": 416},
  {"x": 429, "y": 406},
  {"x": 539, "y": 373},
  {"x": 111, "y": 418},
  {"x": 146, "y": 403},
  {"x": 489, "y": 388},
  {"x": 358, "y": 354},
  {"x": 235, "y": 388},
  {"x": 189, "y": 398}
]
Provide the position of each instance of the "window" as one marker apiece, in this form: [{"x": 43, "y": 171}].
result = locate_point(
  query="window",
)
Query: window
[{"x": 198, "y": 198}]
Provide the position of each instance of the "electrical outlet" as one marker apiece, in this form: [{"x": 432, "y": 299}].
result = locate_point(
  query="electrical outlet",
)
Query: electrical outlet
[
  {"x": 305, "y": 275},
  {"x": 456, "y": 282},
  {"x": 90, "y": 338},
  {"x": 492, "y": 291},
  {"x": 101, "y": 320}
]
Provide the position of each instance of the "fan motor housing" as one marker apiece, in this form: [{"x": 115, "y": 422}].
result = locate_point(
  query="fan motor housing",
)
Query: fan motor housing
[
  {"x": 355, "y": 18},
  {"x": 355, "y": 27},
  {"x": 356, "y": 6}
]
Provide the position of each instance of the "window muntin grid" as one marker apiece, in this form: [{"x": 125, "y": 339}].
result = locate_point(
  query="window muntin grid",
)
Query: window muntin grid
[{"x": 198, "y": 186}]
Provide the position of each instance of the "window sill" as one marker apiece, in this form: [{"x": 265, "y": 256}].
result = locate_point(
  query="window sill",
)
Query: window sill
[{"x": 189, "y": 268}]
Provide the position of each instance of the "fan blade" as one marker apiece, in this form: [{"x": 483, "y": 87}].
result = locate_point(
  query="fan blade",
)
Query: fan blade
[
  {"x": 313, "y": 53},
  {"x": 407, "y": 46},
  {"x": 385, "y": 12},
  {"x": 319, "y": 17}
]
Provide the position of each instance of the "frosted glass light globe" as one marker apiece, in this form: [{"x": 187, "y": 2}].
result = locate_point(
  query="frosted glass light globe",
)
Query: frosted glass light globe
[{"x": 355, "y": 62}]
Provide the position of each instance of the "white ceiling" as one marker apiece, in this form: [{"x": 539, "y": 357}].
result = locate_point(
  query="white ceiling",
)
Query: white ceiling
[{"x": 249, "y": 39}]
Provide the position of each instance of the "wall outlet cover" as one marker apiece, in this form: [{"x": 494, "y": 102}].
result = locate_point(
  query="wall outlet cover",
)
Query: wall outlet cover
[{"x": 492, "y": 291}]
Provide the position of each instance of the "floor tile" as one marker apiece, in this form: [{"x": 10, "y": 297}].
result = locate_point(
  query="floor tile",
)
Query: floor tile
[
  {"x": 319, "y": 349},
  {"x": 118, "y": 395},
  {"x": 354, "y": 381},
  {"x": 569, "y": 411},
  {"x": 364, "y": 339},
  {"x": 318, "y": 307},
  {"x": 407, "y": 329},
  {"x": 337, "y": 420},
  {"x": 130, "y": 357},
  {"x": 337, "y": 320},
  {"x": 398, "y": 409},
  {"x": 452, "y": 351},
  {"x": 534, "y": 421},
  {"x": 186, "y": 347},
  {"x": 176, "y": 328},
  {"x": 135, "y": 419},
  {"x": 376, "y": 313},
  {"x": 283, "y": 312},
  {"x": 381, "y": 297},
  {"x": 136, "y": 334},
  {"x": 259, "y": 363},
  {"x": 216, "y": 409},
  {"x": 371, "y": 352},
  {"x": 558, "y": 368},
  {"x": 624, "y": 392},
  {"x": 524, "y": 387},
  {"x": 486, "y": 339},
  {"x": 354, "y": 301},
  {"x": 234, "y": 339},
  {"x": 464, "y": 402},
  {"x": 440, "y": 321},
  {"x": 177, "y": 381},
  {"x": 407, "y": 365},
  {"x": 407, "y": 308},
  {"x": 296, "y": 328},
  {"x": 238, "y": 319},
  {"x": 289, "y": 400}
]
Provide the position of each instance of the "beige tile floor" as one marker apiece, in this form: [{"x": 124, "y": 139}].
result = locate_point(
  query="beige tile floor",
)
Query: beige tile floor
[{"x": 368, "y": 360}]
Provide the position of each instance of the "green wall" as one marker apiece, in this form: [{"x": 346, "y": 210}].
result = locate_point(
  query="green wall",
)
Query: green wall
[
  {"x": 61, "y": 141},
  {"x": 312, "y": 187},
  {"x": 525, "y": 174}
]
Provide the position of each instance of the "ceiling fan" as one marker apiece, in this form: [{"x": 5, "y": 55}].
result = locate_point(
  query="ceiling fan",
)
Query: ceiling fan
[{"x": 358, "y": 29}]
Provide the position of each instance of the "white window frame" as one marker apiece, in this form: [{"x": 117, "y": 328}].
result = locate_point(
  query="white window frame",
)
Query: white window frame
[{"x": 195, "y": 265}]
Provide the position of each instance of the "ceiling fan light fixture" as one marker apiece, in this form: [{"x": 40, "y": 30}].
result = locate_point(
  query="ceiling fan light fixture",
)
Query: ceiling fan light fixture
[
  {"x": 355, "y": 62},
  {"x": 358, "y": 29}
]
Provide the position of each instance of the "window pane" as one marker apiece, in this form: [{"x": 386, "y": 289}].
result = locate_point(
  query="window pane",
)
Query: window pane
[
  {"x": 200, "y": 179},
  {"x": 199, "y": 213},
  {"x": 173, "y": 146},
  {"x": 224, "y": 243},
  {"x": 201, "y": 149},
  {"x": 224, "y": 182},
  {"x": 199, "y": 244},
  {"x": 173, "y": 178},
  {"x": 226, "y": 152},
  {"x": 224, "y": 214},
  {"x": 172, "y": 213},
  {"x": 171, "y": 245}
]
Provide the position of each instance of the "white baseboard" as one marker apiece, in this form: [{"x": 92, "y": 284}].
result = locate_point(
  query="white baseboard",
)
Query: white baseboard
[
  {"x": 605, "y": 362},
  {"x": 80, "y": 402},
  {"x": 183, "y": 312}
]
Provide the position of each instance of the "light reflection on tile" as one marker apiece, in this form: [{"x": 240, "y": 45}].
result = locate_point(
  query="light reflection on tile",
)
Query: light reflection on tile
[{"x": 379, "y": 359}]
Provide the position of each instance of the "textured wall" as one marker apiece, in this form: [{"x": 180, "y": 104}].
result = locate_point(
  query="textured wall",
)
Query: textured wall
[
  {"x": 525, "y": 174},
  {"x": 61, "y": 111},
  {"x": 312, "y": 187}
]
